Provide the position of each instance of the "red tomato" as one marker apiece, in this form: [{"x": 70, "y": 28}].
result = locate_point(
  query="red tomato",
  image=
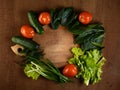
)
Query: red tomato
[
  {"x": 27, "y": 31},
  {"x": 70, "y": 70},
  {"x": 85, "y": 17},
  {"x": 44, "y": 18}
]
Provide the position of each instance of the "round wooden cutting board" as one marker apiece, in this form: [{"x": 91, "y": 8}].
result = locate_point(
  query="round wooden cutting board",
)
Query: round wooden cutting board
[{"x": 56, "y": 44}]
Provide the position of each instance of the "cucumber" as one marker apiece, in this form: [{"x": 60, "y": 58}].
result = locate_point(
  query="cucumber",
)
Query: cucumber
[
  {"x": 30, "y": 44},
  {"x": 33, "y": 19}
]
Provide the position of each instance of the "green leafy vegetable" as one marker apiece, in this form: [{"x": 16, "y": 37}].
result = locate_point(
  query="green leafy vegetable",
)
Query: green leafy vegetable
[
  {"x": 88, "y": 36},
  {"x": 77, "y": 53},
  {"x": 32, "y": 71},
  {"x": 89, "y": 64},
  {"x": 64, "y": 17},
  {"x": 34, "y": 68},
  {"x": 55, "y": 18}
]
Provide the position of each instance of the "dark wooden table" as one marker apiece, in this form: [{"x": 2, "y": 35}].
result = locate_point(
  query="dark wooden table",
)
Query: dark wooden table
[{"x": 13, "y": 15}]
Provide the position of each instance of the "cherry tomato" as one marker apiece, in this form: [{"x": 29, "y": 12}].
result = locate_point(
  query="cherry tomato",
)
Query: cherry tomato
[
  {"x": 44, "y": 18},
  {"x": 85, "y": 17},
  {"x": 27, "y": 31},
  {"x": 70, "y": 70}
]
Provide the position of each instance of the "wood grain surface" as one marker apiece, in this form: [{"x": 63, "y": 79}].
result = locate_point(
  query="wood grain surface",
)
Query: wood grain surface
[
  {"x": 13, "y": 14},
  {"x": 56, "y": 44}
]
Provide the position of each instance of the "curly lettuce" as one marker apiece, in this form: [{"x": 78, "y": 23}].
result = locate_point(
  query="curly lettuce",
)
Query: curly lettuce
[
  {"x": 32, "y": 70},
  {"x": 89, "y": 64}
]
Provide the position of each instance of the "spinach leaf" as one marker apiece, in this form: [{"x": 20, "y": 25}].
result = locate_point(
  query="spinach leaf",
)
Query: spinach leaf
[
  {"x": 66, "y": 15},
  {"x": 90, "y": 37},
  {"x": 56, "y": 18}
]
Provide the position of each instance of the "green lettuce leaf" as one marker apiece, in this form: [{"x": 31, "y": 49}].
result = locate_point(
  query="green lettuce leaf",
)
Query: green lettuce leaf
[
  {"x": 89, "y": 65},
  {"x": 31, "y": 71},
  {"x": 77, "y": 52}
]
